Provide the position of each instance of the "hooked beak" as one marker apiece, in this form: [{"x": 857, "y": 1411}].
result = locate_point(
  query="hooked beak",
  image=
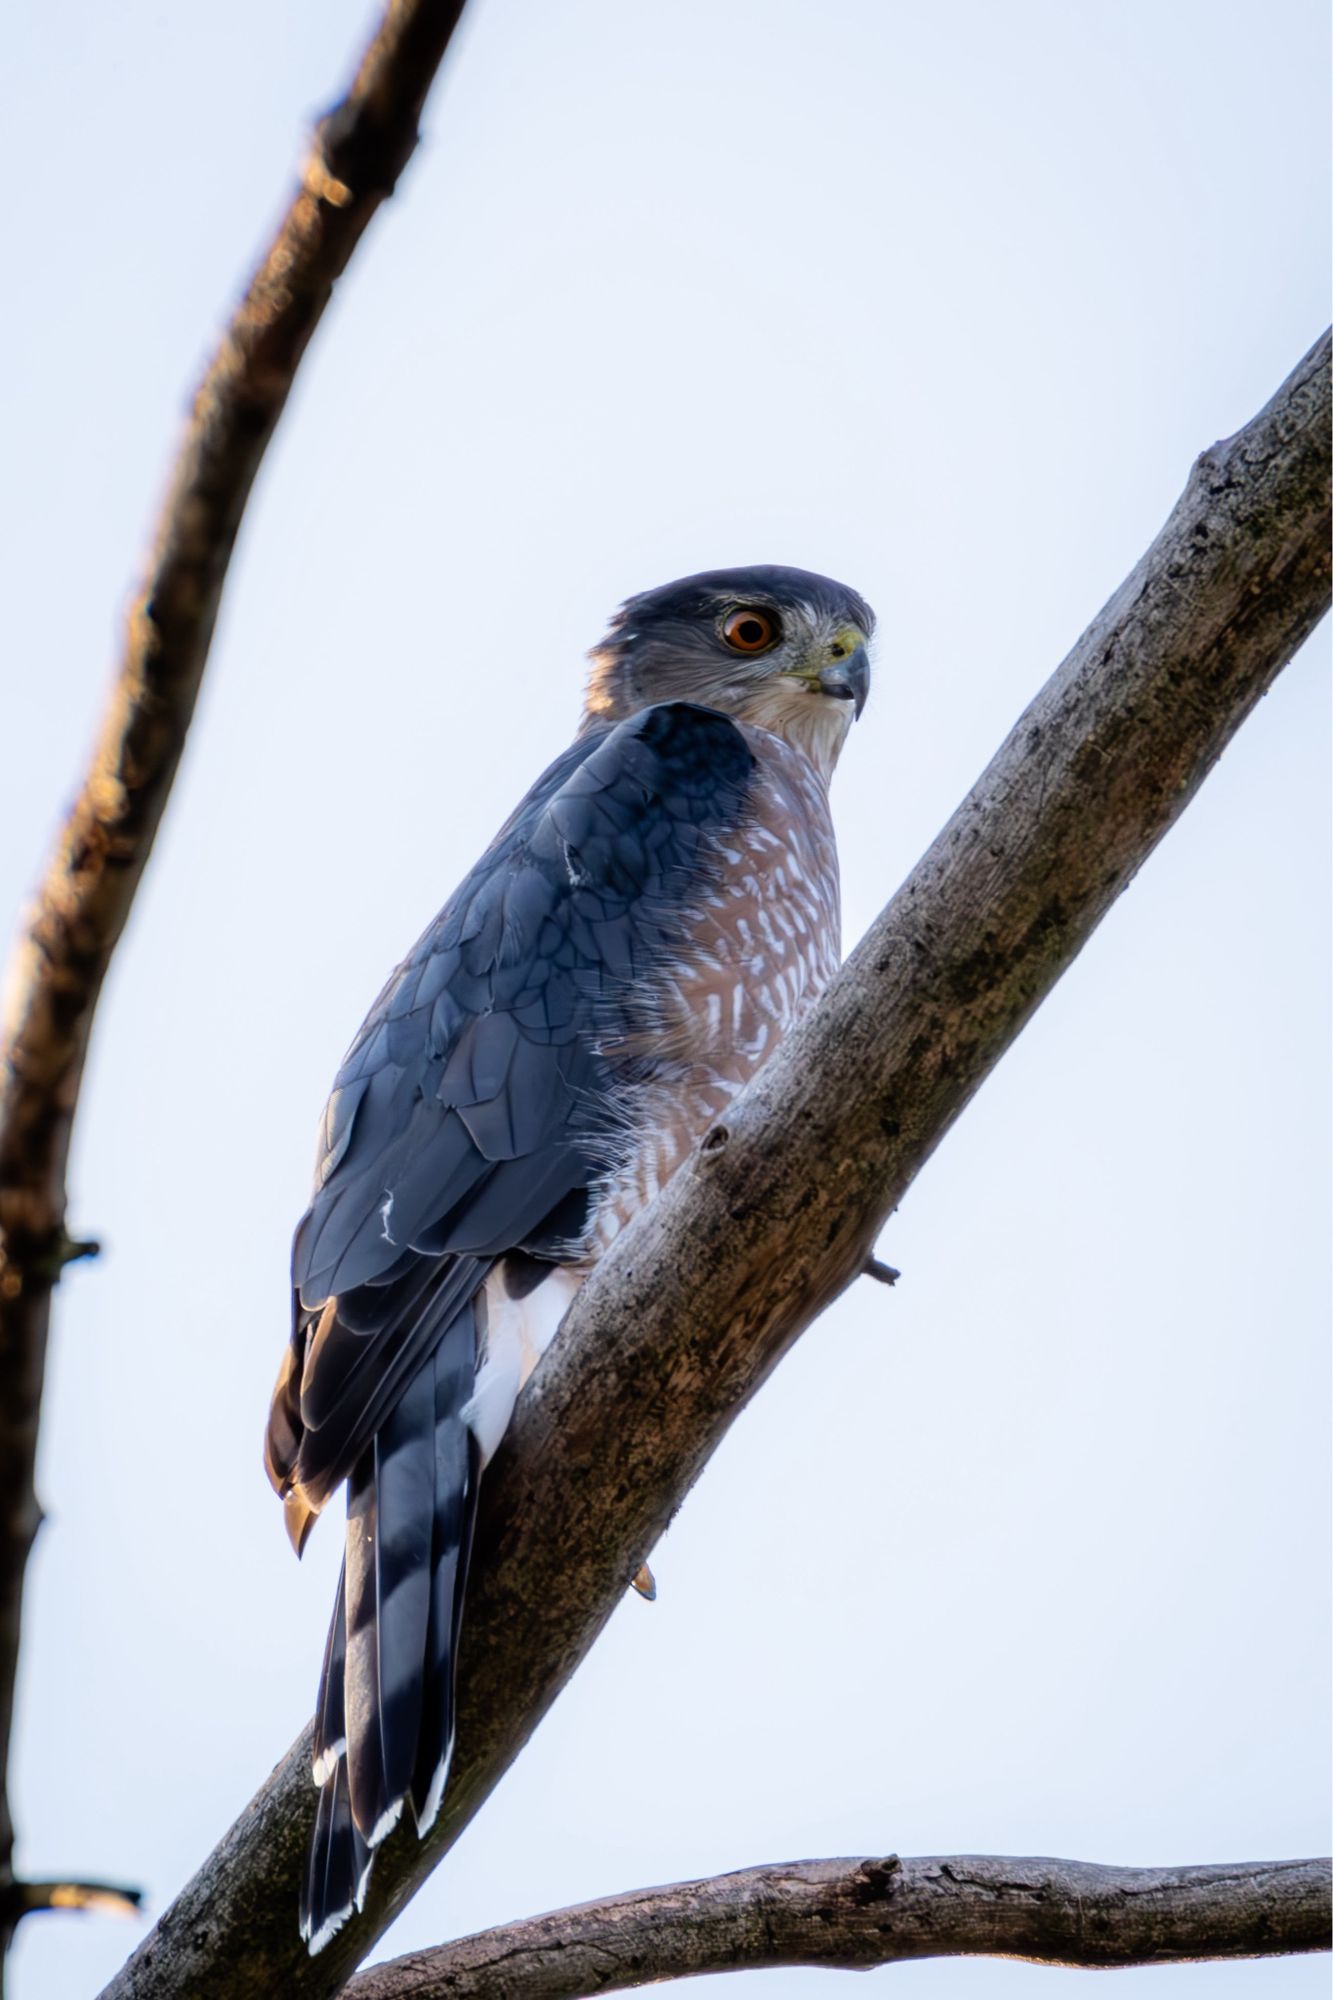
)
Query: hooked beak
[{"x": 847, "y": 679}]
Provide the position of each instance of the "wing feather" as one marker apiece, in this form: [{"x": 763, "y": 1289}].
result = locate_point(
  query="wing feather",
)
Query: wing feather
[{"x": 477, "y": 1105}]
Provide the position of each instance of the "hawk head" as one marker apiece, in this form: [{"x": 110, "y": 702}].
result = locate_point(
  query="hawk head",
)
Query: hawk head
[{"x": 782, "y": 648}]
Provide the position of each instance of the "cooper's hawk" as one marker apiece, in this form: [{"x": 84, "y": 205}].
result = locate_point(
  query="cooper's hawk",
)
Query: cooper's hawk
[{"x": 656, "y": 913}]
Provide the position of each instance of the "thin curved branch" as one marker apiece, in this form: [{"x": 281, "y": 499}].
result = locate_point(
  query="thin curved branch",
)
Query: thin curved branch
[
  {"x": 26, "y": 1899},
  {"x": 80, "y": 908},
  {"x": 778, "y": 1210},
  {"x": 855, "y": 1914}
]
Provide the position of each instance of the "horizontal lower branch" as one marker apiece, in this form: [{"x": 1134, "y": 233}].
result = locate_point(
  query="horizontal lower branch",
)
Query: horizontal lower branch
[{"x": 856, "y": 1914}]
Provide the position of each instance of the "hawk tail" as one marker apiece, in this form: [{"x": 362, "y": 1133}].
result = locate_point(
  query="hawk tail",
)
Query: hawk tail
[{"x": 384, "y": 1721}]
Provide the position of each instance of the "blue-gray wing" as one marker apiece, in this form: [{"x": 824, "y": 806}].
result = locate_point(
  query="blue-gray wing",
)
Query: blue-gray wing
[{"x": 476, "y": 1106}]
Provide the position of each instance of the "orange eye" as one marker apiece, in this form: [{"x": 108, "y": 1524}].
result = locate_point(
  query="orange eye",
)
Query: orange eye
[{"x": 750, "y": 631}]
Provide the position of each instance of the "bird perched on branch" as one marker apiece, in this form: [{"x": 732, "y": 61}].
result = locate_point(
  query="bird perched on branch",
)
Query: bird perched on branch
[{"x": 655, "y": 914}]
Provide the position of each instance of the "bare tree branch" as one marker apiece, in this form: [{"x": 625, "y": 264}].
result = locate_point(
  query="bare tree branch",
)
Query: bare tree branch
[
  {"x": 80, "y": 909},
  {"x": 25, "y": 1899},
  {"x": 778, "y": 1210},
  {"x": 855, "y": 1914}
]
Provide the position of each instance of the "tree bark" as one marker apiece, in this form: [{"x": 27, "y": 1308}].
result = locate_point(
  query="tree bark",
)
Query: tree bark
[
  {"x": 777, "y": 1211},
  {"x": 81, "y": 906},
  {"x": 856, "y": 1914}
]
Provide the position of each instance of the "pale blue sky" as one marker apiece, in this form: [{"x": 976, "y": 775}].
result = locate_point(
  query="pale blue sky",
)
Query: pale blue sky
[{"x": 1029, "y": 1556}]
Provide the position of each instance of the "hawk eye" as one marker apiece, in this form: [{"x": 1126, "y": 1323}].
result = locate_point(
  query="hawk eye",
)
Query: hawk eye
[{"x": 750, "y": 631}]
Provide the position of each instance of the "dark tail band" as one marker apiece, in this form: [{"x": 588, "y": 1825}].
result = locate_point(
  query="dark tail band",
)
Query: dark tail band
[{"x": 384, "y": 1721}]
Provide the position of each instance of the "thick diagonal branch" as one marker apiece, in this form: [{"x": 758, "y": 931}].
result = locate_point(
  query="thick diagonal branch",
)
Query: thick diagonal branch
[
  {"x": 81, "y": 906},
  {"x": 704, "y": 1293},
  {"x": 855, "y": 1914}
]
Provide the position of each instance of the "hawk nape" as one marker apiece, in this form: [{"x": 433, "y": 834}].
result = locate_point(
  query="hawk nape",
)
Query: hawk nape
[{"x": 657, "y": 912}]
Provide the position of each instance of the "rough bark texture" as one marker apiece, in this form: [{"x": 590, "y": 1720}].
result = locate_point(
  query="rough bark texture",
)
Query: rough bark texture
[
  {"x": 777, "y": 1211},
  {"x": 855, "y": 1914},
  {"x": 81, "y": 906}
]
